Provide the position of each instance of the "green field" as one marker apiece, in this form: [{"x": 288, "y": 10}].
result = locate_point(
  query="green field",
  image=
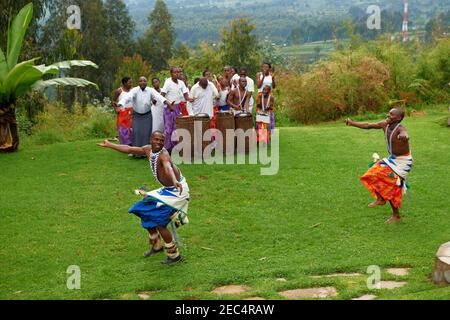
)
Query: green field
[
  {"x": 308, "y": 52},
  {"x": 66, "y": 204}
]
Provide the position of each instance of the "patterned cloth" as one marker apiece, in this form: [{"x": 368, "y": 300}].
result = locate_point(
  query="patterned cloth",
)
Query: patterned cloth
[
  {"x": 387, "y": 178},
  {"x": 162, "y": 205},
  {"x": 401, "y": 165},
  {"x": 170, "y": 125},
  {"x": 124, "y": 125},
  {"x": 263, "y": 129}
]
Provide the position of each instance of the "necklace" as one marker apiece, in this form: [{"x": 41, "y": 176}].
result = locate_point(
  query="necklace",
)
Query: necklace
[
  {"x": 245, "y": 96},
  {"x": 154, "y": 163},
  {"x": 264, "y": 107},
  {"x": 389, "y": 141}
]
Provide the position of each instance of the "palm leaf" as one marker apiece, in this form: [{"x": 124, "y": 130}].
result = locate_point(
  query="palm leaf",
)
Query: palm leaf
[
  {"x": 16, "y": 34},
  {"x": 77, "y": 82},
  {"x": 29, "y": 78},
  {"x": 74, "y": 63},
  {"x": 3, "y": 66},
  {"x": 12, "y": 79}
]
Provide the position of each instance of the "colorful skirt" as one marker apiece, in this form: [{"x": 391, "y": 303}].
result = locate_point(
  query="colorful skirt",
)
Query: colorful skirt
[
  {"x": 124, "y": 126},
  {"x": 264, "y": 128},
  {"x": 170, "y": 125},
  {"x": 160, "y": 206},
  {"x": 381, "y": 180}
]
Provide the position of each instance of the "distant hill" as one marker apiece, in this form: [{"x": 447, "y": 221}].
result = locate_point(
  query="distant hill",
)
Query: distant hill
[{"x": 197, "y": 21}]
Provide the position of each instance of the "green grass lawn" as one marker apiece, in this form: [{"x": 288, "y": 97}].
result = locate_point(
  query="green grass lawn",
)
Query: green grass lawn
[{"x": 66, "y": 204}]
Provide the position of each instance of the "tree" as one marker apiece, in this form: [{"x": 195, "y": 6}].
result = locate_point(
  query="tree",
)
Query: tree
[
  {"x": 10, "y": 8},
  {"x": 240, "y": 47},
  {"x": 96, "y": 43},
  {"x": 157, "y": 44},
  {"x": 120, "y": 25},
  {"x": 133, "y": 67},
  {"x": 16, "y": 79}
]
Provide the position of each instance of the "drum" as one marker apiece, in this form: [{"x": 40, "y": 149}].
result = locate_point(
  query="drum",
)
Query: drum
[
  {"x": 263, "y": 118},
  {"x": 186, "y": 123},
  {"x": 224, "y": 122},
  {"x": 202, "y": 123},
  {"x": 244, "y": 121}
]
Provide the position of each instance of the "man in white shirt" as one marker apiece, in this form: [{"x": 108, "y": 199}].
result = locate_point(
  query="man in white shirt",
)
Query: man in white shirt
[
  {"x": 141, "y": 98},
  {"x": 203, "y": 94},
  {"x": 157, "y": 109},
  {"x": 174, "y": 90}
]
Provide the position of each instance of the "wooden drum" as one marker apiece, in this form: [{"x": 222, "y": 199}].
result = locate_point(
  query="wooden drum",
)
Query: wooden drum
[
  {"x": 224, "y": 122},
  {"x": 244, "y": 121},
  {"x": 186, "y": 123},
  {"x": 202, "y": 123}
]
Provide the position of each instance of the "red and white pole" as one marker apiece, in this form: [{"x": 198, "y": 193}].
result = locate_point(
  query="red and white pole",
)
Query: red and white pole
[{"x": 405, "y": 21}]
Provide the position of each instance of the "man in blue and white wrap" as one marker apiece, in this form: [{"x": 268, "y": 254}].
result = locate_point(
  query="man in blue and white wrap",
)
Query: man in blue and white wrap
[{"x": 162, "y": 206}]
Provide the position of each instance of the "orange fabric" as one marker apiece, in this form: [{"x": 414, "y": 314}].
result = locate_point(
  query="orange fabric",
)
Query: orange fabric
[
  {"x": 380, "y": 179},
  {"x": 263, "y": 132},
  {"x": 184, "y": 111},
  {"x": 124, "y": 118}
]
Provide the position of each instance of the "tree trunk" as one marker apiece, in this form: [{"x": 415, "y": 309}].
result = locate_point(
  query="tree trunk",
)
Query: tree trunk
[{"x": 9, "y": 135}]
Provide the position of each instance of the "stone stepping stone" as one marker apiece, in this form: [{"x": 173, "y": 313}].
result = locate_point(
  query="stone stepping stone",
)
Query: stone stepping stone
[
  {"x": 144, "y": 295},
  {"x": 366, "y": 297},
  {"x": 441, "y": 274},
  {"x": 281, "y": 279},
  {"x": 254, "y": 298},
  {"x": 231, "y": 289},
  {"x": 392, "y": 284},
  {"x": 323, "y": 292},
  {"x": 398, "y": 271},
  {"x": 337, "y": 275}
]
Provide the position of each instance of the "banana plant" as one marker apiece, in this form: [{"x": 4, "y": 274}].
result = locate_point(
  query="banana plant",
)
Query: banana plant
[{"x": 18, "y": 78}]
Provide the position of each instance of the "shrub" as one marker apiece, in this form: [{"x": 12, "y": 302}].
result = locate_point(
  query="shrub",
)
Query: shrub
[
  {"x": 56, "y": 124},
  {"x": 350, "y": 83}
]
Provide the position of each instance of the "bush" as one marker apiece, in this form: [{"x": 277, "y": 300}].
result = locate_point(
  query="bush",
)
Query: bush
[
  {"x": 25, "y": 125},
  {"x": 56, "y": 124},
  {"x": 350, "y": 83},
  {"x": 433, "y": 76}
]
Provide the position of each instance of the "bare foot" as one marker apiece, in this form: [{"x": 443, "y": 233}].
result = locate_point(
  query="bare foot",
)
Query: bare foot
[
  {"x": 377, "y": 203},
  {"x": 393, "y": 219}
]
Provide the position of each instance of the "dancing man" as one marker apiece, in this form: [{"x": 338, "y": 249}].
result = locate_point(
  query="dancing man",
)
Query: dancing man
[
  {"x": 386, "y": 178},
  {"x": 160, "y": 207}
]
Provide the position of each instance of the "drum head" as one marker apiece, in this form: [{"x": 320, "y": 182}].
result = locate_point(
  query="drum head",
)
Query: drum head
[
  {"x": 244, "y": 115},
  {"x": 202, "y": 115}
]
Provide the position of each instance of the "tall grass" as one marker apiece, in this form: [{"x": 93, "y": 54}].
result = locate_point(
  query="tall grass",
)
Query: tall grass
[{"x": 56, "y": 124}]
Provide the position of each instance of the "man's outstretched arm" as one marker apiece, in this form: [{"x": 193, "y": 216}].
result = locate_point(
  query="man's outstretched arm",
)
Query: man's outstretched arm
[
  {"x": 123, "y": 148},
  {"x": 365, "y": 125}
]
